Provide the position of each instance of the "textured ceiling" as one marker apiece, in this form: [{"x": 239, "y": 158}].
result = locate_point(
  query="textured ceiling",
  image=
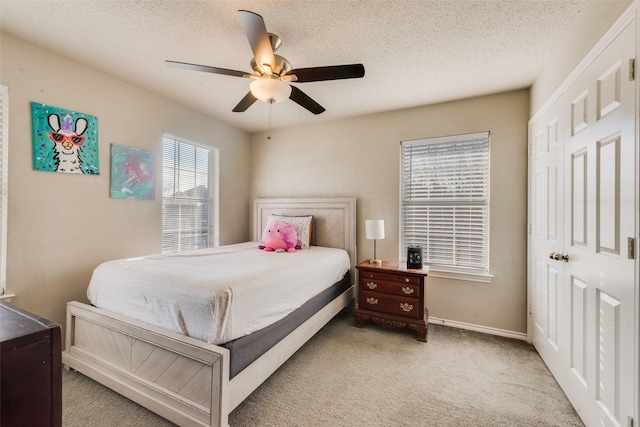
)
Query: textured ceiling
[{"x": 414, "y": 52}]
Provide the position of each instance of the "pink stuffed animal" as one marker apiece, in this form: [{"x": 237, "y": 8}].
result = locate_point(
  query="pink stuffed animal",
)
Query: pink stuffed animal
[{"x": 279, "y": 236}]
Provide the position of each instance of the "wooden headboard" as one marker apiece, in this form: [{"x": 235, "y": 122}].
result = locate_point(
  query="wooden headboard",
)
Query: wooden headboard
[{"x": 334, "y": 219}]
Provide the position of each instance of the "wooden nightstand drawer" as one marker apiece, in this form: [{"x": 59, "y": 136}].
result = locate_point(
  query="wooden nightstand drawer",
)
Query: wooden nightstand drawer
[
  {"x": 376, "y": 276},
  {"x": 401, "y": 306},
  {"x": 393, "y": 288}
]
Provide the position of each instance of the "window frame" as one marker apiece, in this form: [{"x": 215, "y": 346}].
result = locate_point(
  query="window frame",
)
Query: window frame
[
  {"x": 213, "y": 184},
  {"x": 448, "y": 270}
]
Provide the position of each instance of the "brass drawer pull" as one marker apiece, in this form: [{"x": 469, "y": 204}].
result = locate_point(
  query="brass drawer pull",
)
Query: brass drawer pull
[
  {"x": 406, "y": 306},
  {"x": 406, "y": 279},
  {"x": 372, "y": 285},
  {"x": 407, "y": 290},
  {"x": 372, "y": 301}
]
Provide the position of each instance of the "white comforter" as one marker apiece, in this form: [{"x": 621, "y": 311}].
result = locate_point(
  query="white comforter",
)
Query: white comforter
[{"x": 215, "y": 295}]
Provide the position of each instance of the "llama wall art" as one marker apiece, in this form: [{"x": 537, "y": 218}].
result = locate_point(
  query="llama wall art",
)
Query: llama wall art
[{"x": 64, "y": 141}]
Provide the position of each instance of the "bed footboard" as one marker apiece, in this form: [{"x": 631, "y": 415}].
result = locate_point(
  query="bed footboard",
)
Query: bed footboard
[{"x": 181, "y": 379}]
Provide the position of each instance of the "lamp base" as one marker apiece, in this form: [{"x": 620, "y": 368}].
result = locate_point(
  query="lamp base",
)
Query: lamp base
[{"x": 375, "y": 261}]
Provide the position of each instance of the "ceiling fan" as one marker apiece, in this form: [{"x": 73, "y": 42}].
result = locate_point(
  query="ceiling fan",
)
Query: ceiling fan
[{"x": 272, "y": 73}]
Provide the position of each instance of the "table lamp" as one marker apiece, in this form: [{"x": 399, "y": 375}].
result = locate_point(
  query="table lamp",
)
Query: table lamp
[{"x": 374, "y": 231}]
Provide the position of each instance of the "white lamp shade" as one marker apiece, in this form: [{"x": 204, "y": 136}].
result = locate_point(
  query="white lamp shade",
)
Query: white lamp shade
[
  {"x": 270, "y": 90},
  {"x": 374, "y": 228}
]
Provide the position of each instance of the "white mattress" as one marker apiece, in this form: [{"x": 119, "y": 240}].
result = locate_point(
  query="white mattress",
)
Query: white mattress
[{"x": 215, "y": 295}]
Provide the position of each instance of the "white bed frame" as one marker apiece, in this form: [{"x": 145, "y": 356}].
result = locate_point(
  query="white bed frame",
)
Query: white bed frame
[{"x": 185, "y": 380}]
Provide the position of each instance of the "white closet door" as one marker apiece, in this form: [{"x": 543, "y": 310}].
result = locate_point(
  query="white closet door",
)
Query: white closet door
[
  {"x": 546, "y": 187},
  {"x": 582, "y": 282},
  {"x": 599, "y": 211}
]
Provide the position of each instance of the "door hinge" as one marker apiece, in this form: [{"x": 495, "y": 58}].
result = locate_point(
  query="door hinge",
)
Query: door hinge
[
  {"x": 631, "y": 248},
  {"x": 632, "y": 69}
]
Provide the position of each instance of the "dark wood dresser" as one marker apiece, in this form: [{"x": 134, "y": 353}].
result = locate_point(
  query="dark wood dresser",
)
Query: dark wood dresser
[
  {"x": 30, "y": 369},
  {"x": 393, "y": 296}
]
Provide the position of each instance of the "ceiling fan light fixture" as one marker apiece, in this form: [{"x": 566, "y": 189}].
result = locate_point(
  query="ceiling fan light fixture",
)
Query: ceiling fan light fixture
[
  {"x": 270, "y": 90},
  {"x": 272, "y": 73}
]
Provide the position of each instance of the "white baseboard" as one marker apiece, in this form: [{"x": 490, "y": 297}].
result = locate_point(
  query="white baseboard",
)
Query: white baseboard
[{"x": 478, "y": 328}]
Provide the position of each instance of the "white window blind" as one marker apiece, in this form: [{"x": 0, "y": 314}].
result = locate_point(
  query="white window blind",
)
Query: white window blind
[
  {"x": 445, "y": 201},
  {"x": 188, "y": 211},
  {"x": 4, "y": 162}
]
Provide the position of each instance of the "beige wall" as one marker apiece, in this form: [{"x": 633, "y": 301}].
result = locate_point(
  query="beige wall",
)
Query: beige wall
[
  {"x": 360, "y": 157},
  {"x": 60, "y": 227}
]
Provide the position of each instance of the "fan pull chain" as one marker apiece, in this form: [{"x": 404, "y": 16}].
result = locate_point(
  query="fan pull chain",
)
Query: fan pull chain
[{"x": 270, "y": 121}]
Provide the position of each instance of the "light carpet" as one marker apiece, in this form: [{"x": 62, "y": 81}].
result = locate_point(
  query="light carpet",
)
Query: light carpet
[{"x": 346, "y": 376}]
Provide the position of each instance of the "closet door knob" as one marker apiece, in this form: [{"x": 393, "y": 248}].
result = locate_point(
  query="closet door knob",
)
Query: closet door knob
[{"x": 559, "y": 256}]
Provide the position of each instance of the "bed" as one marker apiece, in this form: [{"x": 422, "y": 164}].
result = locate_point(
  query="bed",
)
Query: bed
[{"x": 193, "y": 382}]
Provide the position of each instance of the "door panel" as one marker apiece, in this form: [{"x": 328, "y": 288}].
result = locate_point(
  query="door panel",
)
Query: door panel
[
  {"x": 584, "y": 297},
  {"x": 607, "y": 195},
  {"x": 599, "y": 192},
  {"x": 579, "y": 198},
  {"x": 609, "y": 91},
  {"x": 578, "y": 330},
  {"x": 547, "y": 235},
  {"x": 579, "y": 111},
  {"x": 553, "y": 279},
  {"x": 607, "y": 375}
]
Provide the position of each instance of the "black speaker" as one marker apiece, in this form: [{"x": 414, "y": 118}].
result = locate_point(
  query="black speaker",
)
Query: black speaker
[{"x": 414, "y": 257}]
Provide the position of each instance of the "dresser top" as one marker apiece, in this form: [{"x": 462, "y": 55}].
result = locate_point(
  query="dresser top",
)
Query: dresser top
[
  {"x": 16, "y": 323},
  {"x": 394, "y": 267}
]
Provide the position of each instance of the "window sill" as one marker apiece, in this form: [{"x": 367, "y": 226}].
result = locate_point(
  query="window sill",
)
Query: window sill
[{"x": 459, "y": 275}]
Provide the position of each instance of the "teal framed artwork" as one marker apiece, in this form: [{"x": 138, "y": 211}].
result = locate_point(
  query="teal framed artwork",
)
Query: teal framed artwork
[
  {"x": 132, "y": 173},
  {"x": 64, "y": 141}
]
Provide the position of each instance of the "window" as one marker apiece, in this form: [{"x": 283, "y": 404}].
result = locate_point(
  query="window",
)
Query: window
[
  {"x": 445, "y": 202},
  {"x": 189, "y": 196},
  {"x": 4, "y": 161}
]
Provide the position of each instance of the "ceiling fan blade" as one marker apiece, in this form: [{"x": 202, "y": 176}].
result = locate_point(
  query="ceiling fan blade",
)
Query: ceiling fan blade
[
  {"x": 206, "y": 69},
  {"x": 332, "y": 72},
  {"x": 256, "y": 31},
  {"x": 245, "y": 103},
  {"x": 302, "y": 99}
]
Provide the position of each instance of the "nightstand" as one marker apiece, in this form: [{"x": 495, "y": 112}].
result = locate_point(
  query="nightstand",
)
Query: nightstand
[{"x": 393, "y": 297}]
